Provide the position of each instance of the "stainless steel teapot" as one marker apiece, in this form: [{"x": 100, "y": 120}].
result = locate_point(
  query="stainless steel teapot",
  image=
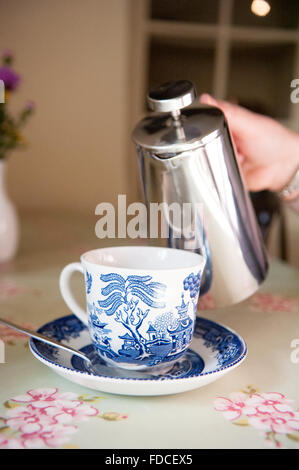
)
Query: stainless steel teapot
[{"x": 186, "y": 155}]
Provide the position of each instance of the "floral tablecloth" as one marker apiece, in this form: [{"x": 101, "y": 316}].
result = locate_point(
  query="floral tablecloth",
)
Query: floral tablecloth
[{"x": 254, "y": 406}]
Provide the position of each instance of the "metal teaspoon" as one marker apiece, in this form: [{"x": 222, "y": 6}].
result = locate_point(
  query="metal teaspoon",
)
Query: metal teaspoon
[{"x": 45, "y": 339}]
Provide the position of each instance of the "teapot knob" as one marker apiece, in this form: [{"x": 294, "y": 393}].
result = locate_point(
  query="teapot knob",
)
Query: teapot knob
[{"x": 172, "y": 96}]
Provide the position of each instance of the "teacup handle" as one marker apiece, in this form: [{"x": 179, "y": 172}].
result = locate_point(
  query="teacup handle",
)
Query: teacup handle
[{"x": 65, "y": 289}]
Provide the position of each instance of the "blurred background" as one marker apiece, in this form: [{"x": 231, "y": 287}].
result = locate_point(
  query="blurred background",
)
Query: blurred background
[{"x": 88, "y": 65}]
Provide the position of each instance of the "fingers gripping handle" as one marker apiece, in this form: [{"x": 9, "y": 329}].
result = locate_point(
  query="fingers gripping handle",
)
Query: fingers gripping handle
[{"x": 65, "y": 289}]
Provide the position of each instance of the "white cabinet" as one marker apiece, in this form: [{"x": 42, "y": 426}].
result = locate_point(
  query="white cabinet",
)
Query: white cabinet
[{"x": 223, "y": 48}]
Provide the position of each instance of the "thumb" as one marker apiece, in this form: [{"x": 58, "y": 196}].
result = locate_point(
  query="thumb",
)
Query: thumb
[
  {"x": 239, "y": 119},
  {"x": 205, "y": 98}
]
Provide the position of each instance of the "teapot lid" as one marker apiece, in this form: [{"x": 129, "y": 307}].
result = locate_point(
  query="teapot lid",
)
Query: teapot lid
[{"x": 171, "y": 130}]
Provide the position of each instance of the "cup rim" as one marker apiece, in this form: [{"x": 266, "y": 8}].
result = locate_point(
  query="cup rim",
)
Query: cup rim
[{"x": 199, "y": 263}]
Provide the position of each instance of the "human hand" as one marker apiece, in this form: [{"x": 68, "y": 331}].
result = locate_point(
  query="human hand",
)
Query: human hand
[{"x": 267, "y": 151}]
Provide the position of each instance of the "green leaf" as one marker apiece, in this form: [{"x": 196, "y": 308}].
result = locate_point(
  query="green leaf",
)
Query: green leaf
[
  {"x": 250, "y": 389},
  {"x": 111, "y": 416},
  {"x": 8, "y": 404},
  {"x": 241, "y": 422},
  {"x": 70, "y": 446},
  {"x": 91, "y": 399},
  {"x": 82, "y": 397},
  {"x": 3, "y": 429},
  {"x": 293, "y": 437}
]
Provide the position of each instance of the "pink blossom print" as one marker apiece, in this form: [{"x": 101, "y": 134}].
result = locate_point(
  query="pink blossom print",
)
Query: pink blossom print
[
  {"x": 42, "y": 397},
  {"x": 267, "y": 403},
  {"x": 7, "y": 442},
  {"x": 64, "y": 413},
  {"x": 27, "y": 419},
  {"x": 276, "y": 422},
  {"x": 232, "y": 408},
  {"x": 51, "y": 435},
  {"x": 272, "y": 303},
  {"x": 46, "y": 417},
  {"x": 206, "y": 302},
  {"x": 9, "y": 288},
  {"x": 271, "y": 413}
]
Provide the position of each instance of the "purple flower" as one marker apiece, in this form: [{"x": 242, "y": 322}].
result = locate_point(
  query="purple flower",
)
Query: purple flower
[
  {"x": 30, "y": 106},
  {"x": 11, "y": 79}
]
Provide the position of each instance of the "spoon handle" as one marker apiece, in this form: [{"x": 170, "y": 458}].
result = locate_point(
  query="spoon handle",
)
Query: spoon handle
[{"x": 43, "y": 338}]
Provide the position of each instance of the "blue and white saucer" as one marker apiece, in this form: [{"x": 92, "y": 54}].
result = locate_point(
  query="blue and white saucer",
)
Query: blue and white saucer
[{"x": 215, "y": 350}]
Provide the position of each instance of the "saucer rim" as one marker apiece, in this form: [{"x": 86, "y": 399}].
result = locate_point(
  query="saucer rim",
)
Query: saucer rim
[{"x": 109, "y": 379}]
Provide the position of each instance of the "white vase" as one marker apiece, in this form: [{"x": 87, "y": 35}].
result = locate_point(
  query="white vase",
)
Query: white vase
[{"x": 9, "y": 223}]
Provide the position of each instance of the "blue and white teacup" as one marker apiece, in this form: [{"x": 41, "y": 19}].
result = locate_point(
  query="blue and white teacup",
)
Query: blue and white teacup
[{"x": 141, "y": 302}]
